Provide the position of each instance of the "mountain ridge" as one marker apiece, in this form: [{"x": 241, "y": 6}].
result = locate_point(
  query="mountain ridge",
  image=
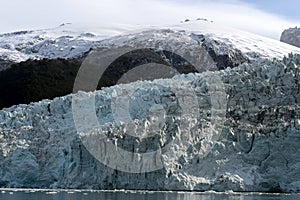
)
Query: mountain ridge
[
  {"x": 69, "y": 41},
  {"x": 231, "y": 126}
]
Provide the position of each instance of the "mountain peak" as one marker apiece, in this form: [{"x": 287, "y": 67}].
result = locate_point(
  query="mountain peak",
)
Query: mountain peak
[
  {"x": 72, "y": 40},
  {"x": 291, "y": 36}
]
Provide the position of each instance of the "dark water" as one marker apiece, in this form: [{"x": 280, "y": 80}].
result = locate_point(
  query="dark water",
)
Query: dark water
[{"x": 134, "y": 195}]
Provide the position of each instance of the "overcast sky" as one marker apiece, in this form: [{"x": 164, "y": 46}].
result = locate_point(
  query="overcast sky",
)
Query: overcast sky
[{"x": 265, "y": 17}]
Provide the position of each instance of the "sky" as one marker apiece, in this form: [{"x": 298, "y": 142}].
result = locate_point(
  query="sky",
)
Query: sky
[{"x": 264, "y": 17}]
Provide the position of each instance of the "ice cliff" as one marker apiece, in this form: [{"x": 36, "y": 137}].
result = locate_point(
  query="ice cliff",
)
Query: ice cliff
[{"x": 255, "y": 145}]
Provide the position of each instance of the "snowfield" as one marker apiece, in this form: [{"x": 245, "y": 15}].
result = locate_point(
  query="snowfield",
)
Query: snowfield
[{"x": 71, "y": 41}]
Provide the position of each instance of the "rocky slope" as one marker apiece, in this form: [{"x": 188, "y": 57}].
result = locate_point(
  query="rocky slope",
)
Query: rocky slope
[
  {"x": 61, "y": 51},
  {"x": 242, "y": 135},
  {"x": 291, "y": 36},
  {"x": 34, "y": 80}
]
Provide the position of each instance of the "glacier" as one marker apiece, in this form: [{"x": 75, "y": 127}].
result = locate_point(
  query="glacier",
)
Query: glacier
[{"x": 255, "y": 145}]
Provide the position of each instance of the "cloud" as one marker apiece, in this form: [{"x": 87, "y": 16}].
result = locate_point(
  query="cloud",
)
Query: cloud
[{"x": 20, "y": 14}]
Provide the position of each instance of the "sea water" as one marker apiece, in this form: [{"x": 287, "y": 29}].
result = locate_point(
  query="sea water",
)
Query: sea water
[{"x": 32, "y": 194}]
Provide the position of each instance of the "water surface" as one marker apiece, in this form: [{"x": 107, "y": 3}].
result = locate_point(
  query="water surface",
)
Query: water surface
[{"x": 28, "y": 194}]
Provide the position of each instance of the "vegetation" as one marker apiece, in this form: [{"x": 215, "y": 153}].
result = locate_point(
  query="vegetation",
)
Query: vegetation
[{"x": 34, "y": 80}]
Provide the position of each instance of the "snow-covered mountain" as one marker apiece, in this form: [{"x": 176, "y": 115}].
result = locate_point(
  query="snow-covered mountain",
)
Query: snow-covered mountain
[
  {"x": 226, "y": 46},
  {"x": 71, "y": 41},
  {"x": 223, "y": 129}
]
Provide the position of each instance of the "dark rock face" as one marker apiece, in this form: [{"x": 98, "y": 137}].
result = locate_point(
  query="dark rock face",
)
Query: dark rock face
[
  {"x": 136, "y": 58},
  {"x": 229, "y": 59},
  {"x": 35, "y": 80},
  {"x": 5, "y": 65},
  {"x": 291, "y": 36},
  {"x": 223, "y": 55}
]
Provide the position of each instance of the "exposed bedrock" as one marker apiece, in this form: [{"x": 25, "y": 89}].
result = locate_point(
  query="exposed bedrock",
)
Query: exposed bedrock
[{"x": 291, "y": 36}]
